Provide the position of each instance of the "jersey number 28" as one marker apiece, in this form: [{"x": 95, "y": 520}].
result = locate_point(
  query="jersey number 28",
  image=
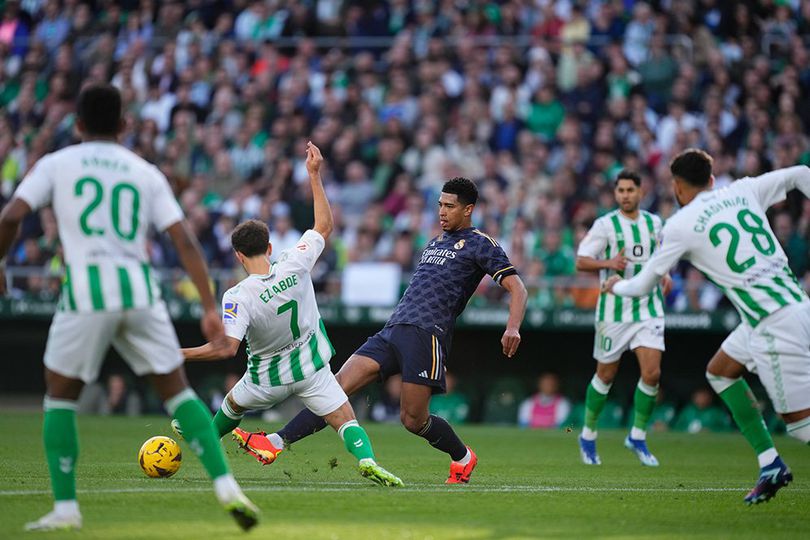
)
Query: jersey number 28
[{"x": 760, "y": 238}]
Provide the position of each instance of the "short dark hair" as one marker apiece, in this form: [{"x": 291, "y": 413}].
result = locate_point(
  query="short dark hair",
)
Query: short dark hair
[
  {"x": 694, "y": 166},
  {"x": 464, "y": 188},
  {"x": 627, "y": 174},
  {"x": 99, "y": 109},
  {"x": 250, "y": 238}
]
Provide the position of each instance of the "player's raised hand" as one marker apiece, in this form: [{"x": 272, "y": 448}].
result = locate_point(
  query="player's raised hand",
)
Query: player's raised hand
[
  {"x": 211, "y": 326},
  {"x": 510, "y": 341},
  {"x": 314, "y": 158},
  {"x": 618, "y": 263},
  {"x": 607, "y": 285},
  {"x": 666, "y": 284}
]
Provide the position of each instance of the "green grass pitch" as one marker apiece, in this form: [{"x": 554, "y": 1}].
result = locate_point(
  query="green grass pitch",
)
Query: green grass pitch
[{"x": 528, "y": 484}]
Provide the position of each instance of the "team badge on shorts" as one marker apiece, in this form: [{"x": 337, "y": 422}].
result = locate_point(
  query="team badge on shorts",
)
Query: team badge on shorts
[
  {"x": 229, "y": 314},
  {"x": 459, "y": 244}
]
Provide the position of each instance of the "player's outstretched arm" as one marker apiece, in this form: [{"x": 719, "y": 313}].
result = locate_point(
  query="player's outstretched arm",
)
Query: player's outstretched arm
[
  {"x": 217, "y": 350},
  {"x": 590, "y": 264},
  {"x": 641, "y": 284},
  {"x": 10, "y": 219},
  {"x": 192, "y": 259},
  {"x": 517, "y": 309},
  {"x": 323, "y": 212}
]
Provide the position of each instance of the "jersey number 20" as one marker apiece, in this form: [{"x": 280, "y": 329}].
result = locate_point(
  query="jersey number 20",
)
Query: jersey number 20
[{"x": 125, "y": 231}]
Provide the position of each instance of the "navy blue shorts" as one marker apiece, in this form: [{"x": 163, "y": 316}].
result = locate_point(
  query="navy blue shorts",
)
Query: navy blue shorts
[{"x": 415, "y": 353}]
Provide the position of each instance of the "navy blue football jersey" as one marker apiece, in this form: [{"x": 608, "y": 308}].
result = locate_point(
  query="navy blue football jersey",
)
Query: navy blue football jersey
[{"x": 450, "y": 270}]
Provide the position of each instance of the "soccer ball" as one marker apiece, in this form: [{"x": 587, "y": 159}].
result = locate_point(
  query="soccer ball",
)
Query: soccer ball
[{"x": 160, "y": 457}]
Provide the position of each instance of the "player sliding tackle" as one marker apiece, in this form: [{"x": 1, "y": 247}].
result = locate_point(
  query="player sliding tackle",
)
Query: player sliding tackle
[
  {"x": 288, "y": 350},
  {"x": 725, "y": 234},
  {"x": 416, "y": 340}
]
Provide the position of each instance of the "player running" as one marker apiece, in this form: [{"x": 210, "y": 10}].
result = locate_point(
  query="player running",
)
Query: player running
[
  {"x": 725, "y": 234},
  {"x": 619, "y": 243},
  {"x": 274, "y": 309},
  {"x": 416, "y": 340},
  {"x": 105, "y": 198}
]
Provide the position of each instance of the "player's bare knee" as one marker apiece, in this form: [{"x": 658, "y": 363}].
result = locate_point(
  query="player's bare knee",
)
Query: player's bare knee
[
  {"x": 607, "y": 372},
  {"x": 651, "y": 376},
  {"x": 413, "y": 423},
  {"x": 234, "y": 406}
]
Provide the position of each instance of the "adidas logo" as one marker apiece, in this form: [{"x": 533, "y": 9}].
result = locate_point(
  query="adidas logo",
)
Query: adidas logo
[{"x": 424, "y": 375}]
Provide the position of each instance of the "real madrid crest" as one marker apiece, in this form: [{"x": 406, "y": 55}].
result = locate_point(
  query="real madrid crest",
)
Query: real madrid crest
[{"x": 459, "y": 244}]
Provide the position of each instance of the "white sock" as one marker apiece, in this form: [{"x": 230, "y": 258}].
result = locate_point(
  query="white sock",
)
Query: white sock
[
  {"x": 275, "y": 440},
  {"x": 466, "y": 459},
  {"x": 638, "y": 434},
  {"x": 226, "y": 488},
  {"x": 589, "y": 434},
  {"x": 767, "y": 457},
  {"x": 66, "y": 508}
]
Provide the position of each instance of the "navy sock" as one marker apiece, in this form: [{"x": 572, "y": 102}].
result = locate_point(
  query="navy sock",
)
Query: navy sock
[
  {"x": 441, "y": 436},
  {"x": 303, "y": 425}
]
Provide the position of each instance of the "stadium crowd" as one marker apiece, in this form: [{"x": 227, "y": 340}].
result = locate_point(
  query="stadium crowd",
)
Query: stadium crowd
[{"x": 540, "y": 102}]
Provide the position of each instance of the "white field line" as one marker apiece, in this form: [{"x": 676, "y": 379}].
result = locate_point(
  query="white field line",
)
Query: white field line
[{"x": 425, "y": 488}]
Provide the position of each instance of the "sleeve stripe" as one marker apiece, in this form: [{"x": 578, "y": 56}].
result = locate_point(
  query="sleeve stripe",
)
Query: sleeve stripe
[
  {"x": 494, "y": 243},
  {"x": 495, "y": 275}
]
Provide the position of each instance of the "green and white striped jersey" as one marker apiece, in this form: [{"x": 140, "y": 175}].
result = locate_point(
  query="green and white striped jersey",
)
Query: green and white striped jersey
[
  {"x": 278, "y": 314},
  {"x": 639, "y": 238},
  {"x": 725, "y": 234},
  {"x": 104, "y": 197}
]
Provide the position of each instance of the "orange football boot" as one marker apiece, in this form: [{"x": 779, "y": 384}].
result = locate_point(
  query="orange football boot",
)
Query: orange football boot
[
  {"x": 257, "y": 445},
  {"x": 460, "y": 474}
]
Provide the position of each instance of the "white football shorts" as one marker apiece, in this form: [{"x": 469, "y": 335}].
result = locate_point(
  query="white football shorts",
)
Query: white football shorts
[
  {"x": 145, "y": 339},
  {"x": 612, "y": 339},
  {"x": 320, "y": 392},
  {"x": 778, "y": 351}
]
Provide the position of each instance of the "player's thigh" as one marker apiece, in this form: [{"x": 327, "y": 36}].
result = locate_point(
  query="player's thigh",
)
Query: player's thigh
[
  {"x": 321, "y": 393},
  {"x": 78, "y": 343},
  {"x": 736, "y": 348},
  {"x": 648, "y": 345},
  {"x": 147, "y": 342},
  {"x": 250, "y": 396},
  {"x": 374, "y": 359},
  {"x": 421, "y": 356},
  {"x": 611, "y": 340},
  {"x": 781, "y": 348}
]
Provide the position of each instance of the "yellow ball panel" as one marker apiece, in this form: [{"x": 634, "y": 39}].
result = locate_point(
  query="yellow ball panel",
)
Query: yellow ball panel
[{"x": 160, "y": 457}]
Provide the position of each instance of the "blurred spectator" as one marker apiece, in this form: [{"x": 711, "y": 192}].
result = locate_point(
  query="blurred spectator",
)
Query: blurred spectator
[
  {"x": 115, "y": 396},
  {"x": 386, "y": 409},
  {"x": 702, "y": 415},
  {"x": 547, "y": 408},
  {"x": 453, "y": 406},
  {"x": 223, "y": 99}
]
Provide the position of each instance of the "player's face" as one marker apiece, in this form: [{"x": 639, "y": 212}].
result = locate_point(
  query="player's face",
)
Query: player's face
[
  {"x": 628, "y": 195},
  {"x": 452, "y": 213}
]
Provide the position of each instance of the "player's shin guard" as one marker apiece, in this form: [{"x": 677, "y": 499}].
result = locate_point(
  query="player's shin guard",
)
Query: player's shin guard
[
  {"x": 226, "y": 419},
  {"x": 199, "y": 431},
  {"x": 737, "y": 396},
  {"x": 441, "y": 436},
  {"x": 595, "y": 399},
  {"x": 303, "y": 425},
  {"x": 61, "y": 440},
  {"x": 643, "y": 405},
  {"x": 800, "y": 430},
  {"x": 356, "y": 440}
]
